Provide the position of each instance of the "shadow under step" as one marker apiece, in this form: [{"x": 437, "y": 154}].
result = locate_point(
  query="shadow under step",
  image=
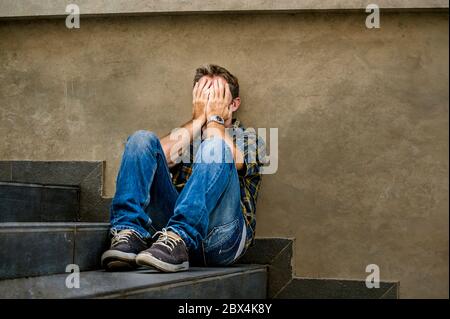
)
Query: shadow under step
[
  {"x": 27, "y": 202},
  {"x": 238, "y": 281},
  {"x": 35, "y": 249}
]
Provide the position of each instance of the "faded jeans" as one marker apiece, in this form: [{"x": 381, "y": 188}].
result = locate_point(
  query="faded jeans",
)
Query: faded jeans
[{"x": 206, "y": 214}]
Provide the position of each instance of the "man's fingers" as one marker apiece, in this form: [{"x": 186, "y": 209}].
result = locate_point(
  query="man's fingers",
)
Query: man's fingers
[
  {"x": 203, "y": 84},
  {"x": 228, "y": 96},
  {"x": 205, "y": 92},
  {"x": 217, "y": 89},
  {"x": 214, "y": 89},
  {"x": 197, "y": 89},
  {"x": 221, "y": 91},
  {"x": 207, "y": 86},
  {"x": 194, "y": 91},
  {"x": 211, "y": 93}
]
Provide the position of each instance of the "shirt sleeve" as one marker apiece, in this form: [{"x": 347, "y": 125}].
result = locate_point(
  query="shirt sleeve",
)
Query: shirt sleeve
[{"x": 252, "y": 148}]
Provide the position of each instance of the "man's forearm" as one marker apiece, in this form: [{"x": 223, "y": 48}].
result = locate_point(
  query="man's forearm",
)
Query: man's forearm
[{"x": 177, "y": 141}]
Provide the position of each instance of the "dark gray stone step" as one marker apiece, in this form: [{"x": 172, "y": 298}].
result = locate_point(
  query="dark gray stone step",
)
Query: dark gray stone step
[
  {"x": 34, "y": 249},
  {"x": 238, "y": 281},
  {"x": 25, "y": 202},
  {"x": 324, "y": 288},
  {"x": 277, "y": 254},
  {"x": 88, "y": 175}
]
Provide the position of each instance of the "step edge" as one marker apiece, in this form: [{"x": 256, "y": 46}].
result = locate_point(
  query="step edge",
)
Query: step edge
[
  {"x": 224, "y": 272},
  {"x": 51, "y": 226},
  {"x": 391, "y": 281},
  {"x": 173, "y": 284},
  {"x": 39, "y": 185}
]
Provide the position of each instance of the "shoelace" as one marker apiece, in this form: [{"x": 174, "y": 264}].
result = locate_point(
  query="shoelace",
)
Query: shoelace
[
  {"x": 166, "y": 240},
  {"x": 122, "y": 236}
]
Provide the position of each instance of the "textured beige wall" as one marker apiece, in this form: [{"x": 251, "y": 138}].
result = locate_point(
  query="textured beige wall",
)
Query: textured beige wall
[{"x": 362, "y": 117}]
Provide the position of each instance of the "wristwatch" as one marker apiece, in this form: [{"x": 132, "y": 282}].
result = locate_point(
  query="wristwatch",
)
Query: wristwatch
[{"x": 217, "y": 119}]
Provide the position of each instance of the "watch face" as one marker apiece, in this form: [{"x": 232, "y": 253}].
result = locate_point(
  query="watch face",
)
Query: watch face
[{"x": 217, "y": 118}]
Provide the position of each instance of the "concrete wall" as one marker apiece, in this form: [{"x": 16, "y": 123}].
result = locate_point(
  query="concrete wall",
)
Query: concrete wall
[{"x": 362, "y": 117}]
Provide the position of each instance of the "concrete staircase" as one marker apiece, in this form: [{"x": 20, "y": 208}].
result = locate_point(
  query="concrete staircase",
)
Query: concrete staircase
[
  {"x": 53, "y": 214},
  {"x": 244, "y": 281},
  {"x": 43, "y": 230}
]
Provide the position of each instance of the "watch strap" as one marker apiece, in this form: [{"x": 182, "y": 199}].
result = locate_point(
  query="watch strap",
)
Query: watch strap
[{"x": 217, "y": 119}]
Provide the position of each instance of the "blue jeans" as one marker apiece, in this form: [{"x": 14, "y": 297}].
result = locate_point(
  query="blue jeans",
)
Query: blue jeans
[{"x": 206, "y": 214}]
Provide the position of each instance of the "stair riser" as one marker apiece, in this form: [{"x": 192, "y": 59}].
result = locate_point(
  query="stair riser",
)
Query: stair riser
[
  {"x": 316, "y": 288},
  {"x": 38, "y": 203},
  {"x": 34, "y": 250},
  {"x": 35, "y": 253},
  {"x": 237, "y": 281},
  {"x": 250, "y": 285},
  {"x": 88, "y": 175}
]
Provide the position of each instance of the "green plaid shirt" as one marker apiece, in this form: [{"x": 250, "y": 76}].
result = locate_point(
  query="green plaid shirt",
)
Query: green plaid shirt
[{"x": 253, "y": 149}]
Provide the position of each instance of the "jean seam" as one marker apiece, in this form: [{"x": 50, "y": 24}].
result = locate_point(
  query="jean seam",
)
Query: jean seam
[
  {"x": 211, "y": 186},
  {"x": 207, "y": 191},
  {"x": 216, "y": 178},
  {"x": 221, "y": 167},
  {"x": 229, "y": 260},
  {"x": 153, "y": 152},
  {"x": 236, "y": 220},
  {"x": 238, "y": 239},
  {"x": 157, "y": 153},
  {"x": 204, "y": 211},
  {"x": 147, "y": 200}
]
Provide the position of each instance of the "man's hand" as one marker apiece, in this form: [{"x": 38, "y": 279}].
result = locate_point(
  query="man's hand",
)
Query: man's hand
[
  {"x": 209, "y": 98},
  {"x": 219, "y": 100},
  {"x": 200, "y": 99},
  {"x": 219, "y": 104}
]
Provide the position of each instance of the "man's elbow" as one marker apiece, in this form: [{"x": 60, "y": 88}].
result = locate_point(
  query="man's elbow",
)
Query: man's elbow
[{"x": 239, "y": 165}]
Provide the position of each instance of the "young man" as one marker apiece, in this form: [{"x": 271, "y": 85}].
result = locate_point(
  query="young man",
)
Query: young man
[{"x": 202, "y": 210}]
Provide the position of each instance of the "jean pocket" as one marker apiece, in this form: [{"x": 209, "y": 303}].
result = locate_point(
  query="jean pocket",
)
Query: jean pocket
[{"x": 221, "y": 244}]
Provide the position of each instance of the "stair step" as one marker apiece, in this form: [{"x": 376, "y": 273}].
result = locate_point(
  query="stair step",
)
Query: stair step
[
  {"x": 26, "y": 202},
  {"x": 34, "y": 249},
  {"x": 238, "y": 281}
]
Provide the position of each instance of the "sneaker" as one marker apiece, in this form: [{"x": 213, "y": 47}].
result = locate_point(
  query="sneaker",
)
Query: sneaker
[
  {"x": 125, "y": 245},
  {"x": 168, "y": 253}
]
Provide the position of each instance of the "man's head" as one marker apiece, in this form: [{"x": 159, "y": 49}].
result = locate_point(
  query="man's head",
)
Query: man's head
[{"x": 213, "y": 71}]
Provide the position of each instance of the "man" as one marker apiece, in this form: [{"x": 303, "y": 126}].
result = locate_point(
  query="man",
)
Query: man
[{"x": 202, "y": 210}]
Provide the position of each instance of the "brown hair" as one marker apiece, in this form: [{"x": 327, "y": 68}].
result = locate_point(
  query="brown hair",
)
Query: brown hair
[{"x": 215, "y": 70}]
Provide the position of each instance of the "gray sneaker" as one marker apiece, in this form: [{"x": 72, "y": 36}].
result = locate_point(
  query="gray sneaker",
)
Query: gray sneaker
[
  {"x": 125, "y": 245},
  {"x": 168, "y": 254}
]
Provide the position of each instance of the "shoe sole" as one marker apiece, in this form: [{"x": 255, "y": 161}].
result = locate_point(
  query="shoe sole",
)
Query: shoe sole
[
  {"x": 148, "y": 260},
  {"x": 118, "y": 260}
]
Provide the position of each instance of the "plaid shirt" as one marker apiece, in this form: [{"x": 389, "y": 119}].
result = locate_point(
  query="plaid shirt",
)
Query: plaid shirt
[{"x": 253, "y": 149}]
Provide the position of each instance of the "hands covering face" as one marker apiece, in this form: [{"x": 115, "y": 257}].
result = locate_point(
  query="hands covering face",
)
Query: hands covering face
[{"x": 211, "y": 97}]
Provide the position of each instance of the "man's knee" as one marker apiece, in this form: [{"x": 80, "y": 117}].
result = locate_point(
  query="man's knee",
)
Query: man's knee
[
  {"x": 141, "y": 140},
  {"x": 215, "y": 150}
]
